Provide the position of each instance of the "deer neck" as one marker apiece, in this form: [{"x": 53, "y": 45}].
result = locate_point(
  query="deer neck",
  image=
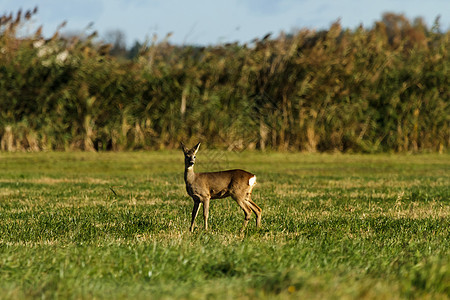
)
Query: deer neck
[{"x": 189, "y": 175}]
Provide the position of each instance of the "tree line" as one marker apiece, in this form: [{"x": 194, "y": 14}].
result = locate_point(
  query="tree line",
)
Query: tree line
[{"x": 383, "y": 88}]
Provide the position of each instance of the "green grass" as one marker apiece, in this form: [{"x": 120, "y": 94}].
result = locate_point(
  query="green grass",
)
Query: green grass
[{"x": 334, "y": 226}]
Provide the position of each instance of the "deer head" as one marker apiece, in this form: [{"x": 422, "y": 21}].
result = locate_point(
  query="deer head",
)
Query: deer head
[{"x": 189, "y": 154}]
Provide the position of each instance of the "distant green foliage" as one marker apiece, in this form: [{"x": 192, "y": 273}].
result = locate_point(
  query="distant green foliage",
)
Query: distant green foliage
[{"x": 385, "y": 88}]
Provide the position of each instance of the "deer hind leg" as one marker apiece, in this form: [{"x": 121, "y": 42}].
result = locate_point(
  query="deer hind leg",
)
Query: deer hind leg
[
  {"x": 254, "y": 207},
  {"x": 194, "y": 214},
  {"x": 246, "y": 208}
]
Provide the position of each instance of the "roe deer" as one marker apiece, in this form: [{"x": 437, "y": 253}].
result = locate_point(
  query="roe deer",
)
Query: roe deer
[{"x": 203, "y": 187}]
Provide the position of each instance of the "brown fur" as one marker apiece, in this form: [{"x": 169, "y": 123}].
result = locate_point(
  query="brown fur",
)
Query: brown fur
[{"x": 203, "y": 187}]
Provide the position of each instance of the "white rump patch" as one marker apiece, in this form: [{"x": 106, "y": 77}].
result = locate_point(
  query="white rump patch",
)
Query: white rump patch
[{"x": 252, "y": 181}]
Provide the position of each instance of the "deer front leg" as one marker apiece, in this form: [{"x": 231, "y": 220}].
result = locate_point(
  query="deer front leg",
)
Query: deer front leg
[
  {"x": 194, "y": 214},
  {"x": 206, "y": 212}
]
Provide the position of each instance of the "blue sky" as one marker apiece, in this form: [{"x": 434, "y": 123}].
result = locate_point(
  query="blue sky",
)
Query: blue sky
[{"x": 210, "y": 22}]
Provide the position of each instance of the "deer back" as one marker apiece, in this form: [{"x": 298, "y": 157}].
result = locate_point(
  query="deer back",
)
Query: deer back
[{"x": 222, "y": 184}]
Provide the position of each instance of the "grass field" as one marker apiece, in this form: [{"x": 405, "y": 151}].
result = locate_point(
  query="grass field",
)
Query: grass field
[{"x": 115, "y": 225}]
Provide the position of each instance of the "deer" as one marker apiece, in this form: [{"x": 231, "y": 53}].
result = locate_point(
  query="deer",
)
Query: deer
[{"x": 202, "y": 187}]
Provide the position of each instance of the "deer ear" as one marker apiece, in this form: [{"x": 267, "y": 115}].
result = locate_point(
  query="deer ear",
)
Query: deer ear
[
  {"x": 183, "y": 147},
  {"x": 195, "y": 148}
]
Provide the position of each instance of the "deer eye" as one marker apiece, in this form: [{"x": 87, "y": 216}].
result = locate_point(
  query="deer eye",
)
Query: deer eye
[{"x": 194, "y": 156}]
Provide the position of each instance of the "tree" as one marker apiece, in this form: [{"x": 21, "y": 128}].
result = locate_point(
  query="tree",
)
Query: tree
[{"x": 117, "y": 39}]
